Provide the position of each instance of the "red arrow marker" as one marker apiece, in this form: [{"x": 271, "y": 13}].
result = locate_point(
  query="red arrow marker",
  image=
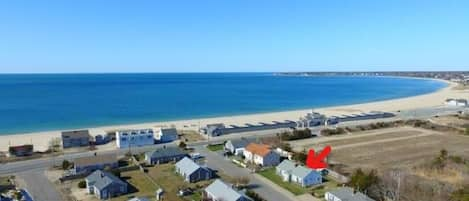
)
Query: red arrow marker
[{"x": 316, "y": 162}]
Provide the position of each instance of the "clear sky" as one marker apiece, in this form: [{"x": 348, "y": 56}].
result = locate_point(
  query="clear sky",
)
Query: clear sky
[{"x": 232, "y": 35}]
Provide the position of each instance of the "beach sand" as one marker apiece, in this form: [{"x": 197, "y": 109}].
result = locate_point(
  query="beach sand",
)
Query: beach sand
[{"x": 41, "y": 139}]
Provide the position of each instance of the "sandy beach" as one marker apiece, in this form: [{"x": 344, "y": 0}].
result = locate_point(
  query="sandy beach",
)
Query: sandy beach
[{"x": 41, "y": 139}]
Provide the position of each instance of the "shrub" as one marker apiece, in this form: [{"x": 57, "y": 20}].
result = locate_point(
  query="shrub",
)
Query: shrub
[
  {"x": 363, "y": 181},
  {"x": 66, "y": 164},
  {"x": 337, "y": 131},
  {"x": 254, "y": 196},
  {"x": 461, "y": 194},
  {"x": 82, "y": 184},
  {"x": 300, "y": 156},
  {"x": 182, "y": 145}
]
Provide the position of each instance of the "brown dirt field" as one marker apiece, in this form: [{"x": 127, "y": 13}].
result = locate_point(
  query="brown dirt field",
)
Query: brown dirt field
[
  {"x": 387, "y": 135},
  {"x": 407, "y": 152}
]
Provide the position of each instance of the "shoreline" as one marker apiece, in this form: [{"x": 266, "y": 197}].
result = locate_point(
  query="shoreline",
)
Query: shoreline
[{"x": 436, "y": 98}]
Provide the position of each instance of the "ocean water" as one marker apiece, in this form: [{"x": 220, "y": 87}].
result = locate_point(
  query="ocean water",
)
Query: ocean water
[{"x": 30, "y": 103}]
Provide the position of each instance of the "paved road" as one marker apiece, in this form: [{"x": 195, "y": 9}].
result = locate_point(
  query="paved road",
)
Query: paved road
[
  {"x": 264, "y": 188},
  {"x": 39, "y": 187}
]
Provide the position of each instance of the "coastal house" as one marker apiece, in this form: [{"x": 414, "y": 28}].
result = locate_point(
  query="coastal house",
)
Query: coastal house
[
  {"x": 303, "y": 176},
  {"x": 312, "y": 119},
  {"x": 164, "y": 135},
  {"x": 164, "y": 155},
  {"x": 284, "y": 169},
  {"x": 219, "y": 191},
  {"x": 105, "y": 185},
  {"x": 139, "y": 199},
  {"x": 220, "y": 129},
  {"x": 456, "y": 102},
  {"x": 134, "y": 138},
  {"x": 236, "y": 146},
  {"x": 214, "y": 129},
  {"x": 261, "y": 154},
  {"x": 78, "y": 138},
  {"x": 21, "y": 150},
  {"x": 191, "y": 171},
  {"x": 92, "y": 163},
  {"x": 346, "y": 194}
]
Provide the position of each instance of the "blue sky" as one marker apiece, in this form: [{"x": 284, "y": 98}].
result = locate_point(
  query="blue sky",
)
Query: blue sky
[{"x": 239, "y": 35}]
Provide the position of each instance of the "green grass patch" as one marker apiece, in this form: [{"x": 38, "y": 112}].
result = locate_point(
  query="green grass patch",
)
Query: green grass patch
[
  {"x": 197, "y": 196},
  {"x": 328, "y": 185},
  {"x": 215, "y": 147},
  {"x": 272, "y": 176},
  {"x": 166, "y": 177},
  {"x": 141, "y": 186}
]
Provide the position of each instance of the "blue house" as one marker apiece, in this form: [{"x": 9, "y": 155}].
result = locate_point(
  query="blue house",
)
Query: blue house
[
  {"x": 105, "y": 185},
  {"x": 303, "y": 176},
  {"x": 191, "y": 171},
  {"x": 166, "y": 135},
  {"x": 164, "y": 155}
]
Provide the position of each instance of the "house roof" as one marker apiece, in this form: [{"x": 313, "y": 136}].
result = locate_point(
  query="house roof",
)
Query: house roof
[
  {"x": 286, "y": 165},
  {"x": 258, "y": 149},
  {"x": 26, "y": 147},
  {"x": 102, "y": 179},
  {"x": 238, "y": 143},
  {"x": 301, "y": 171},
  {"x": 169, "y": 131},
  {"x": 92, "y": 160},
  {"x": 165, "y": 152},
  {"x": 347, "y": 194},
  {"x": 187, "y": 165},
  {"x": 223, "y": 191},
  {"x": 76, "y": 134},
  {"x": 139, "y": 199}
]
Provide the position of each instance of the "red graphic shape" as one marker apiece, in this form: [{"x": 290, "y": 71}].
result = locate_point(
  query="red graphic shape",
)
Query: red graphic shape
[{"x": 316, "y": 162}]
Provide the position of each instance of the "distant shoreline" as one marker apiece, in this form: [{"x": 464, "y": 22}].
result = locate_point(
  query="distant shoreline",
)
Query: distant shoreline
[{"x": 41, "y": 139}]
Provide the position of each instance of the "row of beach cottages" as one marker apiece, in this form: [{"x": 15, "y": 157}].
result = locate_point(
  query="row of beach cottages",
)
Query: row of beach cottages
[
  {"x": 311, "y": 119},
  {"x": 263, "y": 155},
  {"x": 124, "y": 138},
  {"x": 219, "y": 129},
  {"x": 456, "y": 102},
  {"x": 105, "y": 185},
  {"x": 259, "y": 154}
]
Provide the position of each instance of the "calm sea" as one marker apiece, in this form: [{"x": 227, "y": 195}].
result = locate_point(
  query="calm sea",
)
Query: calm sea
[{"x": 31, "y": 103}]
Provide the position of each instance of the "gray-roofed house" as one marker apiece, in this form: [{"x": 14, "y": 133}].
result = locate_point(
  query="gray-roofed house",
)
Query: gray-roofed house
[
  {"x": 92, "y": 163},
  {"x": 219, "y": 191},
  {"x": 305, "y": 176},
  {"x": 284, "y": 169},
  {"x": 164, "y": 155},
  {"x": 77, "y": 138},
  {"x": 236, "y": 146},
  {"x": 346, "y": 194},
  {"x": 166, "y": 135},
  {"x": 139, "y": 199},
  {"x": 191, "y": 171},
  {"x": 105, "y": 185},
  {"x": 291, "y": 172}
]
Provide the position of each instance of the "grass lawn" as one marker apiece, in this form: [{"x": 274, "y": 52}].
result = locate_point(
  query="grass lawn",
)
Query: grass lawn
[
  {"x": 165, "y": 176},
  {"x": 328, "y": 185},
  {"x": 141, "y": 186},
  {"x": 4, "y": 183},
  {"x": 215, "y": 147},
  {"x": 272, "y": 176},
  {"x": 197, "y": 196}
]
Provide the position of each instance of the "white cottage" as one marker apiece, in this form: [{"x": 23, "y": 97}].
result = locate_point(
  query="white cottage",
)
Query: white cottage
[{"x": 261, "y": 154}]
